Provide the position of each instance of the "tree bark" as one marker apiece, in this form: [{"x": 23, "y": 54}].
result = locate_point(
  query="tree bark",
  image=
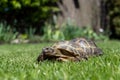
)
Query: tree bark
[{"x": 80, "y": 12}]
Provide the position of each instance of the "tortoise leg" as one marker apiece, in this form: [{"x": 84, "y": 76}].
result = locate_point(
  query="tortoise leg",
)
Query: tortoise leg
[
  {"x": 40, "y": 58},
  {"x": 67, "y": 58},
  {"x": 62, "y": 59}
]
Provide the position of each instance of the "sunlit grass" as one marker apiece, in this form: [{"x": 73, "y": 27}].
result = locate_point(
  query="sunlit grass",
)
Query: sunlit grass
[{"x": 18, "y": 62}]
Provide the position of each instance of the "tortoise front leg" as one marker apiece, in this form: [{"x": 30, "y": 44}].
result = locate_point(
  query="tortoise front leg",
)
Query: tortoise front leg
[
  {"x": 40, "y": 58},
  {"x": 67, "y": 58}
]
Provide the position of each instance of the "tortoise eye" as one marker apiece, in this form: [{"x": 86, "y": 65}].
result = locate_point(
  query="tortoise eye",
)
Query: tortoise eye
[{"x": 47, "y": 48}]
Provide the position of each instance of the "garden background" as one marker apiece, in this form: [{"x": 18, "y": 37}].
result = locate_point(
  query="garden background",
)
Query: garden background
[{"x": 45, "y": 20}]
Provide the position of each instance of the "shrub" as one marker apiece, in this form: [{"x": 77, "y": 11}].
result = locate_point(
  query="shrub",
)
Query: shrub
[
  {"x": 22, "y": 14},
  {"x": 114, "y": 14},
  {"x": 52, "y": 33},
  {"x": 116, "y": 22},
  {"x": 6, "y": 33},
  {"x": 69, "y": 31},
  {"x": 72, "y": 31}
]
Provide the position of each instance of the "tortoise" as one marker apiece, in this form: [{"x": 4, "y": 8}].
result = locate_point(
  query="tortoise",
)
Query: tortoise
[{"x": 74, "y": 50}]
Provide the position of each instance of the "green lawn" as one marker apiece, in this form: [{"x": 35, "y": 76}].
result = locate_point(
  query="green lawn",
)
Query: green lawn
[{"x": 17, "y": 62}]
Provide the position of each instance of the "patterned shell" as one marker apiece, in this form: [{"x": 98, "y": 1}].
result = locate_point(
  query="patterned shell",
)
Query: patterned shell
[
  {"x": 77, "y": 46},
  {"x": 74, "y": 50}
]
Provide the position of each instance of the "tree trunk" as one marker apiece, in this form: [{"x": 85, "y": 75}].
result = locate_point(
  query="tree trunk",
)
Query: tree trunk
[{"x": 80, "y": 12}]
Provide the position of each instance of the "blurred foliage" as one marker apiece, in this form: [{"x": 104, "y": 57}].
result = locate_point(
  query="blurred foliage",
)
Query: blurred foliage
[
  {"x": 10, "y": 35},
  {"x": 52, "y": 33},
  {"x": 114, "y": 14},
  {"x": 116, "y": 22},
  {"x": 72, "y": 31},
  {"x": 27, "y": 17},
  {"x": 30, "y": 32},
  {"x": 69, "y": 31},
  {"x": 6, "y": 34},
  {"x": 26, "y": 13}
]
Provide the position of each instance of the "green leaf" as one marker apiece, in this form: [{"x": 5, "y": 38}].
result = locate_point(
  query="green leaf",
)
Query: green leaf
[
  {"x": 55, "y": 9},
  {"x": 36, "y": 3},
  {"x": 16, "y": 4},
  {"x": 26, "y": 2}
]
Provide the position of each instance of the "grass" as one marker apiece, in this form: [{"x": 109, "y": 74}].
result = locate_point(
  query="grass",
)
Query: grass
[{"x": 17, "y": 62}]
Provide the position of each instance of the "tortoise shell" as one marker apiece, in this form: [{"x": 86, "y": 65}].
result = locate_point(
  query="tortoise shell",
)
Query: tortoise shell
[{"x": 73, "y": 50}]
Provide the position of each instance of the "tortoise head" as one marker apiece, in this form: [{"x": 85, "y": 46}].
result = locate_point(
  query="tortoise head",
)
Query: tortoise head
[
  {"x": 98, "y": 52},
  {"x": 47, "y": 53}
]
